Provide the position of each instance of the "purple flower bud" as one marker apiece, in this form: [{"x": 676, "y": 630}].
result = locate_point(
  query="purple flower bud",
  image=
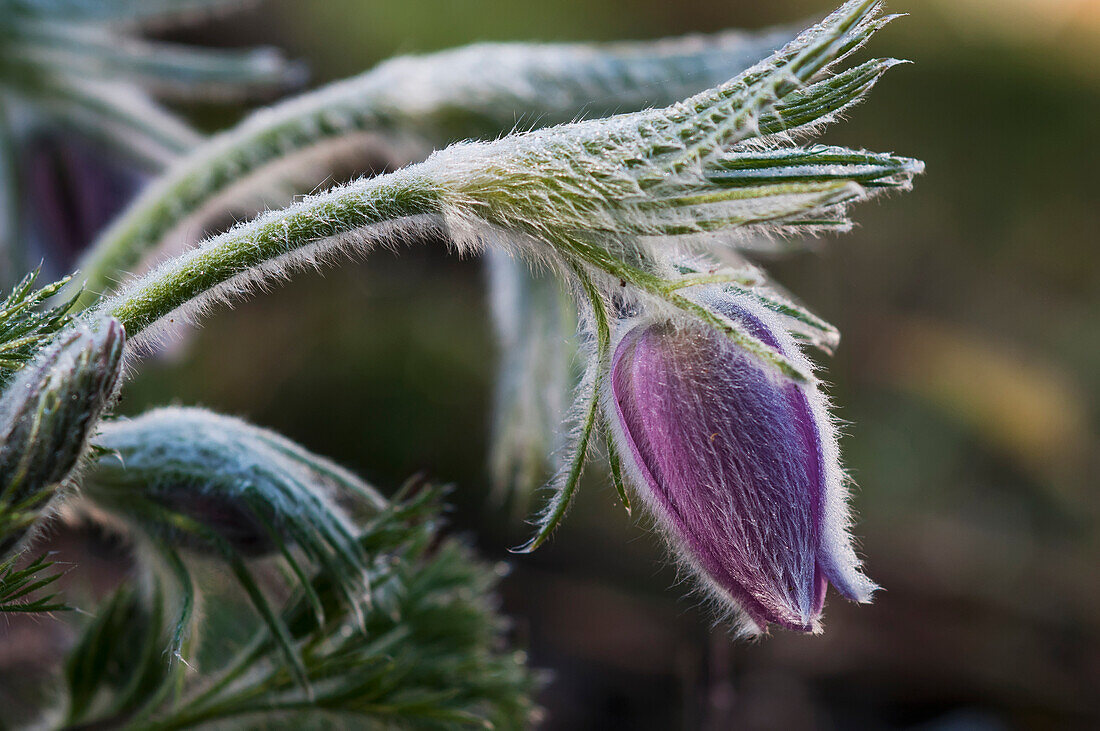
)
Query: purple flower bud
[{"x": 740, "y": 466}]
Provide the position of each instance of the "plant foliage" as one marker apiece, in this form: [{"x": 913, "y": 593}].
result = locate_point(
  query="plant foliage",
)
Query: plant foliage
[{"x": 648, "y": 209}]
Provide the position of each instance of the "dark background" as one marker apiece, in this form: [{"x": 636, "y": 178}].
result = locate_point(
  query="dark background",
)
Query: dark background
[{"x": 969, "y": 377}]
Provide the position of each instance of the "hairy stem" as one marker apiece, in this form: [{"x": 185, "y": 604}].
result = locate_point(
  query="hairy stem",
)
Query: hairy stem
[
  {"x": 231, "y": 260},
  {"x": 476, "y": 91}
]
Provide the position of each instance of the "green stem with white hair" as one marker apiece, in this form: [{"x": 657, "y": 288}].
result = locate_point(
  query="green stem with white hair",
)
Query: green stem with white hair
[
  {"x": 475, "y": 91},
  {"x": 344, "y": 211},
  {"x": 610, "y": 193}
]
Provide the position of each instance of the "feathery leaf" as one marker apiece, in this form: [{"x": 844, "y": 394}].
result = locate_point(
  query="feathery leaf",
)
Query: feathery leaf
[{"x": 21, "y": 587}]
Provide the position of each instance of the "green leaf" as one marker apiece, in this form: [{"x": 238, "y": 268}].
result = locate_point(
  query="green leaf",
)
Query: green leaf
[
  {"x": 616, "y": 468},
  {"x": 21, "y": 587},
  {"x": 25, "y": 326},
  {"x": 564, "y": 486},
  {"x": 426, "y": 651},
  {"x": 118, "y": 663}
]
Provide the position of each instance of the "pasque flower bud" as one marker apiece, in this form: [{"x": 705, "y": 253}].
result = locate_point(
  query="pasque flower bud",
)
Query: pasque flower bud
[
  {"x": 46, "y": 415},
  {"x": 235, "y": 482},
  {"x": 739, "y": 465}
]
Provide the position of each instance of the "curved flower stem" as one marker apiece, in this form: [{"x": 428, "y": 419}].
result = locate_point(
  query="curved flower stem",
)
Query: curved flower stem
[
  {"x": 269, "y": 242},
  {"x": 477, "y": 91},
  {"x": 229, "y": 263},
  {"x": 577, "y": 190}
]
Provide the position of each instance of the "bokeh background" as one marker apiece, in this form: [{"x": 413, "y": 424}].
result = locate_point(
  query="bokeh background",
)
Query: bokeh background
[{"x": 969, "y": 377}]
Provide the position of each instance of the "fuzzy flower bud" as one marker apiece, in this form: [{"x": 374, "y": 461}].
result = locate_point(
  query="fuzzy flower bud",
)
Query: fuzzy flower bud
[
  {"x": 46, "y": 416},
  {"x": 251, "y": 488},
  {"x": 739, "y": 466}
]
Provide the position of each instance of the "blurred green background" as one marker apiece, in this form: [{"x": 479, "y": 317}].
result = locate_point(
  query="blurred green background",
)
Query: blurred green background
[{"x": 968, "y": 377}]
